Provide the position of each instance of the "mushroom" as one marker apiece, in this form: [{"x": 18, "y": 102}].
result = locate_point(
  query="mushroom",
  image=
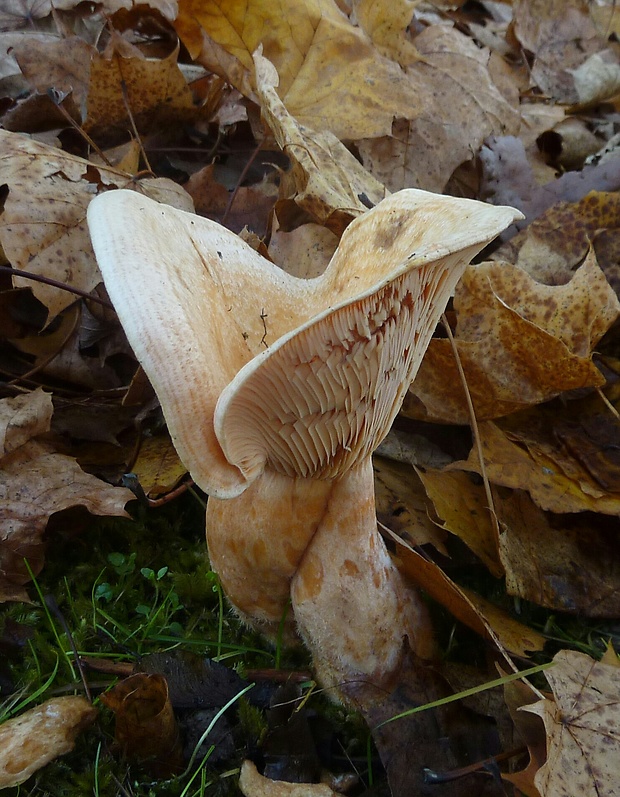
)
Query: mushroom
[{"x": 277, "y": 390}]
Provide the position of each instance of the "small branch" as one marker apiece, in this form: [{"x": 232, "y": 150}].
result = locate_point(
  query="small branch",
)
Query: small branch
[{"x": 56, "y": 284}]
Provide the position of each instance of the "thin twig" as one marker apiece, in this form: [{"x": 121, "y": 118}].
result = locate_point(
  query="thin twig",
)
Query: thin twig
[
  {"x": 242, "y": 177},
  {"x": 133, "y": 121},
  {"x": 52, "y": 605},
  {"x": 17, "y": 272},
  {"x": 57, "y": 99},
  {"x": 474, "y": 428}
]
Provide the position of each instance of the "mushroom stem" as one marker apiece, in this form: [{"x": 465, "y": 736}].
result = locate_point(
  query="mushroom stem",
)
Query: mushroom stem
[
  {"x": 351, "y": 605},
  {"x": 257, "y": 540}
]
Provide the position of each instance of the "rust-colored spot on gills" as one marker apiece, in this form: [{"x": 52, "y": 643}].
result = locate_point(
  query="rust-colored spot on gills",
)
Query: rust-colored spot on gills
[{"x": 309, "y": 579}]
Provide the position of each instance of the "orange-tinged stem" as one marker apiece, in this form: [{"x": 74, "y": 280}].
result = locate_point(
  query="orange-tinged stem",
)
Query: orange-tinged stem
[{"x": 351, "y": 604}]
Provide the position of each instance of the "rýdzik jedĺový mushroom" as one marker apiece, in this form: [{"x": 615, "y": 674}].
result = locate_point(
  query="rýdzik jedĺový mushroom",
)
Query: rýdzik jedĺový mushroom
[{"x": 277, "y": 390}]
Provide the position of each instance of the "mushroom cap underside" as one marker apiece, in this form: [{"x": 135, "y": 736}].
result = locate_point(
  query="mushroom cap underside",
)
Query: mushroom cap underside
[{"x": 199, "y": 307}]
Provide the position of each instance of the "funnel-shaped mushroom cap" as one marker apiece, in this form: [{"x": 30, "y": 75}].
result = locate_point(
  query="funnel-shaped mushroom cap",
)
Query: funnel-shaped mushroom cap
[{"x": 315, "y": 369}]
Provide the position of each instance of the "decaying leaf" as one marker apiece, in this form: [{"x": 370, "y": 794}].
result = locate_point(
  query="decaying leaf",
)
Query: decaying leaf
[
  {"x": 553, "y": 245},
  {"x": 155, "y": 91},
  {"x": 312, "y": 45},
  {"x": 520, "y": 342},
  {"x": 40, "y": 735},
  {"x": 35, "y": 482},
  {"x": 402, "y": 505},
  {"x": 146, "y": 728},
  {"x": 461, "y": 508},
  {"x": 158, "y": 466},
  {"x": 583, "y": 728},
  {"x": 478, "y": 614},
  {"x": 49, "y": 237},
  {"x": 556, "y": 481},
  {"x": 561, "y": 36}
]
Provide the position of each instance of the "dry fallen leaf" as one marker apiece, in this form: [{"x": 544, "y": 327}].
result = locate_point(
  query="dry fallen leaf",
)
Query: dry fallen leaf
[
  {"x": 552, "y": 246},
  {"x": 325, "y": 180},
  {"x": 474, "y": 611},
  {"x": 454, "y": 78},
  {"x": 146, "y": 728},
  {"x": 40, "y": 735},
  {"x": 561, "y": 36},
  {"x": 576, "y": 570},
  {"x": 583, "y": 728},
  {"x": 322, "y": 59},
  {"x": 154, "y": 90},
  {"x": 517, "y": 458},
  {"x": 253, "y": 784},
  {"x": 401, "y": 504},
  {"x": 35, "y": 482},
  {"x": 158, "y": 466},
  {"x": 520, "y": 343},
  {"x": 461, "y": 508},
  {"x": 49, "y": 237}
]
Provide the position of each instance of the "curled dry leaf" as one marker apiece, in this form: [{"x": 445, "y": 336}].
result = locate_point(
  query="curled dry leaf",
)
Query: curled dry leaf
[
  {"x": 40, "y": 735},
  {"x": 327, "y": 181},
  {"x": 583, "y": 728},
  {"x": 49, "y": 237},
  {"x": 146, "y": 728},
  {"x": 35, "y": 482},
  {"x": 520, "y": 342},
  {"x": 253, "y": 784}
]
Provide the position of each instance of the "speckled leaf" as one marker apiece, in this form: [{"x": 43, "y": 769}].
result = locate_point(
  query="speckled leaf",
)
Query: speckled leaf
[
  {"x": 61, "y": 64},
  {"x": 49, "y": 236},
  {"x": 541, "y": 469},
  {"x": 583, "y": 728},
  {"x": 156, "y": 91},
  {"x": 520, "y": 342},
  {"x": 552, "y": 246}
]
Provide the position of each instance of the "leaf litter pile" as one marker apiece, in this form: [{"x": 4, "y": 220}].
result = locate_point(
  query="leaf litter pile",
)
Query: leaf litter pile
[{"x": 123, "y": 667}]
